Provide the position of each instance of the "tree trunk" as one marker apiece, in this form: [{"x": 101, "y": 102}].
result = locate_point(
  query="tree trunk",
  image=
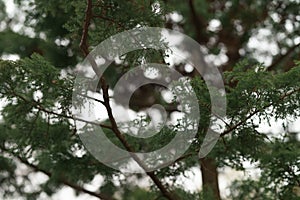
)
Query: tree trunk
[{"x": 210, "y": 177}]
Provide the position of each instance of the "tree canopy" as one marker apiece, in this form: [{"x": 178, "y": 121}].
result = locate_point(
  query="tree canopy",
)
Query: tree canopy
[{"x": 254, "y": 45}]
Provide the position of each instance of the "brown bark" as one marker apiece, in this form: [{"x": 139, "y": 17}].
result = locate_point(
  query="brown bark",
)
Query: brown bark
[
  {"x": 106, "y": 102},
  {"x": 208, "y": 167},
  {"x": 210, "y": 177}
]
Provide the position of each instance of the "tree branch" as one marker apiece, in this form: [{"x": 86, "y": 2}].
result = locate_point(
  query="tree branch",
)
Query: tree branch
[
  {"x": 84, "y": 47},
  {"x": 41, "y": 108},
  {"x": 83, "y": 42},
  {"x": 110, "y": 20},
  {"x": 282, "y": 97},
  {"x": 282, "y": 57},
  {"x": 87, "y": 20},
  {"x": 119, "y": 135},
  {"x": 61, "y": 180},
  {"x": 199, "y": 24}
]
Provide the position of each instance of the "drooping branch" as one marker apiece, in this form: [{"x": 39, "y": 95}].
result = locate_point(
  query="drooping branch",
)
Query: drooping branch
[
  {"x": 38, "y": 106},
  {"x": 61, "y": 180}
]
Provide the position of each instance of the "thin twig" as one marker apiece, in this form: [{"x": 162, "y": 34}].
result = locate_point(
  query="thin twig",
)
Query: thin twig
[
  {"x": 92, "y": 98},
  {"x": 109, "y": 19}
]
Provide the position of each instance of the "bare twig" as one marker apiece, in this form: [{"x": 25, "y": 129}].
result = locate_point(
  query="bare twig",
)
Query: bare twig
[{"x": 92, "y": 98}]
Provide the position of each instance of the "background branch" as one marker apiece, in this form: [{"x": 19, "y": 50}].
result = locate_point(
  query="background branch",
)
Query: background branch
[{"x": 279, "y": 59}]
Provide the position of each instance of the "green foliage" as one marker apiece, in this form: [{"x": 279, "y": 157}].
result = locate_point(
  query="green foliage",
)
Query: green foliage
[
  {"x": 25, "y": 46},
  {"x": 37, "y": 128}
]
